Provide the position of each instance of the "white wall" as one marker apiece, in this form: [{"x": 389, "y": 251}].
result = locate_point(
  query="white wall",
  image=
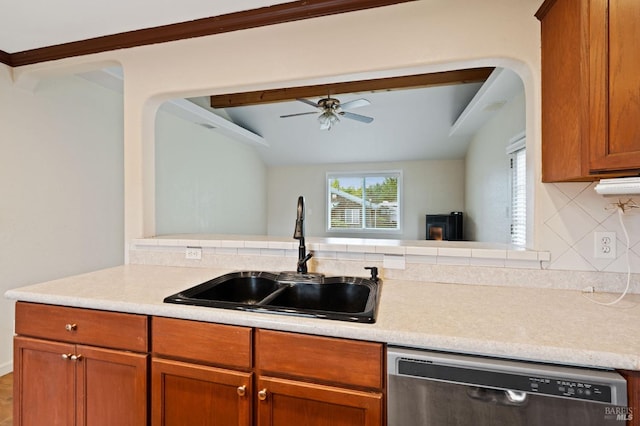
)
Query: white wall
[
  {"x": 47, "y": 144},
  {"x": 61, "y": 186},
  {"x": 407, "y": 38},
  {"x": 412, "y": 37},
  {"x": 428, "y": 187},
  {"x": 206, "y": 182},
  {"x": 487, "y": 196}
]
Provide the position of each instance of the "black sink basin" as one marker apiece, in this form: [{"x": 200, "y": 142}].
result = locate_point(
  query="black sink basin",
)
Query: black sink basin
[
  {"x": 335, "y": 295},
  {"x": 339, "y": 298},
  {"x": 239, "y": 287}
]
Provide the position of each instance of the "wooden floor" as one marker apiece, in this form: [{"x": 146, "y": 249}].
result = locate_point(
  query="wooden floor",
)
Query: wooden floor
[{"x": 6, "y": 400}]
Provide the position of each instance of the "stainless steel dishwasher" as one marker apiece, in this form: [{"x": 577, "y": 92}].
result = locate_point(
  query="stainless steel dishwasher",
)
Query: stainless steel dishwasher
[{"x": 440, "y": 389}]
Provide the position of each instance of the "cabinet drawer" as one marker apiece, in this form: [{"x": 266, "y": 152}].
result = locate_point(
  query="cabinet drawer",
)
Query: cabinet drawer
[
  {"x": 86, "y": 326},
  {"x": 220, "y": 344},
  {"x": 327, "y": 359}
]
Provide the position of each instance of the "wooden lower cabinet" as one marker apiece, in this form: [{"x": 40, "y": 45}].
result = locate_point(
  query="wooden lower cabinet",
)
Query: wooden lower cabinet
[
  {"x": 38, "y": 401},
  {"x": 200, "y": 374},
  {"x": 239, "y": 376},
  {"x": 286, "y": 402},
  {"x": 633, "y": 395},
  {"x": 191, "y": 394},
  {"x": 318, "y": 381},
  {"x": 66, "y": 384}
]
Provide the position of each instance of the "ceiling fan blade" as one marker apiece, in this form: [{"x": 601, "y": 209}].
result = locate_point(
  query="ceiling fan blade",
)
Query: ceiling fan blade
[
  {"x": 308, "y": 102},
  {"x": 355, "y": 104},
  {"x": 300, "y": 113},
  {"x": 358, "y": 117}
]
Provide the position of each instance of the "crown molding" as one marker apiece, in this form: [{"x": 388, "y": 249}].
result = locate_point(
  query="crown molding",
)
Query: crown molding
[
  {"x": 5, "y": 58},
  {"x": 277, "y": 14}
]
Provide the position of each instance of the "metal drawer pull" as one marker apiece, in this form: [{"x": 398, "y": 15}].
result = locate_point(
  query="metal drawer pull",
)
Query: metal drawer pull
[
  {"x": 242, "y": 390},
  {"x": 66, "y": 356},
  {"x": 76, "y": 357},
  {"x": 262, "y": 395},
  {"x": 71, "y": 327}
]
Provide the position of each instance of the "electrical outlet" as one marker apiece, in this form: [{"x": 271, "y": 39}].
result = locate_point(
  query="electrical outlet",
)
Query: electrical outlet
[
  {"x": 194, "y": 253},
  {"x": 604, "y": 245}
]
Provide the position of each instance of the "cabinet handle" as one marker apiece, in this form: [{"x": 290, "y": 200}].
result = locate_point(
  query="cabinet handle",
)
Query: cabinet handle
[
  {"x": 262, "y": 395},
  {"x": 76, "y": 357},
  {"x": 66, "y": 356},
  {"x": 242, "y": 390},
  {"x": 71, "y": 327}
]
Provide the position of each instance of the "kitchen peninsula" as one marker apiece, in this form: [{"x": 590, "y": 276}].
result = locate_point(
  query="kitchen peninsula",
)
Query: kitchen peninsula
[{"x": 548, "y": 325}]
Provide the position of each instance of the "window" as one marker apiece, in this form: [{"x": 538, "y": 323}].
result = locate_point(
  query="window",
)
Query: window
[
  {"x": 518, "y": 163},
  {"x": 352, "y": 216},
  {"x": 364, "y": 201}
]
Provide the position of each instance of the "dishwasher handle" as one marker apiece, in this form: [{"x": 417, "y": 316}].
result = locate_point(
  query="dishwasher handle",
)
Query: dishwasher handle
[{"x": 511, "y": 398}]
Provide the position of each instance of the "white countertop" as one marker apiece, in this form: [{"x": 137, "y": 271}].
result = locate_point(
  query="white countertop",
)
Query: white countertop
[{"x": 559, "y": 326}]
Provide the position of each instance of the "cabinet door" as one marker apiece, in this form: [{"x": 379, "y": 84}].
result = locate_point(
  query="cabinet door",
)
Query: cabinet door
[
  {"x": 44, "y": 383},
  {"x": 285, "y": 403},
  {"x": 615, "y": 86},
  {"x": 565, "y": 94},
  {"x": 111, "y": 387},
  {"x": 192, "y": 394}
]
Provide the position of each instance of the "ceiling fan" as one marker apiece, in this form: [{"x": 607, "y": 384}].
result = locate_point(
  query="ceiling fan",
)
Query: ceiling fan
[{"x": 331, "y": 111}]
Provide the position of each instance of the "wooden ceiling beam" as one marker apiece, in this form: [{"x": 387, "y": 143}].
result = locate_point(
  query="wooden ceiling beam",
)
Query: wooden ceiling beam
[
  {"x": 472, "y": 75},
  {"x": 269, "y": 15}
]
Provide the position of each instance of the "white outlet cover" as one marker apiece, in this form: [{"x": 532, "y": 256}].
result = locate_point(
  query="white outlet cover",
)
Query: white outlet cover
[
  {"x": 604, "y": 245},
  {"x": 193, "y": 253}
]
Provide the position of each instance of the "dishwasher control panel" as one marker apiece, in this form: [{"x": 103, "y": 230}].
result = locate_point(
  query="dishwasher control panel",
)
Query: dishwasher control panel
[
  {"x": 571, "y": 389},
  {"x": 601, "y": 386}
]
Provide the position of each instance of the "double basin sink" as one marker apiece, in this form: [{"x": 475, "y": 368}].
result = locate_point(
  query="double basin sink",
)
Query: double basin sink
[{"x": 313, "y": 295}]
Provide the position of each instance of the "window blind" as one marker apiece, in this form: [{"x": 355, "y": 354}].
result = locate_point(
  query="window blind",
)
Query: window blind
[
  {"x": 519, "y": 197},
  {"x": 368, "y": 201}
]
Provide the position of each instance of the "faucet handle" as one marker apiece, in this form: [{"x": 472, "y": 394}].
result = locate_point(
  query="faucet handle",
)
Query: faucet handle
[
  {"x": 305, "y": 259},
  {"x": 374, "y": 273}
]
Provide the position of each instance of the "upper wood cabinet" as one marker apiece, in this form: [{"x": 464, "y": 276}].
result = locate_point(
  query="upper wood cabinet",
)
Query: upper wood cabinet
[{"x": 590, "y": 89}]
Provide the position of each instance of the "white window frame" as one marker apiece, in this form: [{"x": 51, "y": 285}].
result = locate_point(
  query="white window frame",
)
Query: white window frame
[
  {"x": 352, "y": 216},
  {"x": 364, "y": 174},
  {"x": 518, "y": 189}
]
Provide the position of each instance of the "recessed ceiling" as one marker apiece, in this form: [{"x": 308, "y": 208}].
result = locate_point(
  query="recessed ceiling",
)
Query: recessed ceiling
[
  {"x": 436, "y": 122},
  {"x": 29, "y": 24},
  {"x": 411, "y": 124},
  {"x": 429, "y": 123}
]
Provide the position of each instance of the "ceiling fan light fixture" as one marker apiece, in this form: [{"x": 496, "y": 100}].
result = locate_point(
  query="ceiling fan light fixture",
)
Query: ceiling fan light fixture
[
  {"x": 327, "y": 119},
  {"x": 331, "y": 110}
]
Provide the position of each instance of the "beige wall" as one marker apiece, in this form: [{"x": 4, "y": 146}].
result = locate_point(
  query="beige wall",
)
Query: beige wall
[
  {"x": 421, "y": 36},
  {"x": 429, "y": 35},
  {"x": 61, "y": 186},
  {"x": 428, "y": 187},
  {"x": 207, "y": 182},
  {"x": 487, "y": 194},
  {"x": 407, "y": 38}
]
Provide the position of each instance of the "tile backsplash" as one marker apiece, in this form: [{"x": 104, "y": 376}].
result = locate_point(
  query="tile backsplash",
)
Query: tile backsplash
[
  {"x": 571, "y": 213},
  {"x": 568, "y": 215}
]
